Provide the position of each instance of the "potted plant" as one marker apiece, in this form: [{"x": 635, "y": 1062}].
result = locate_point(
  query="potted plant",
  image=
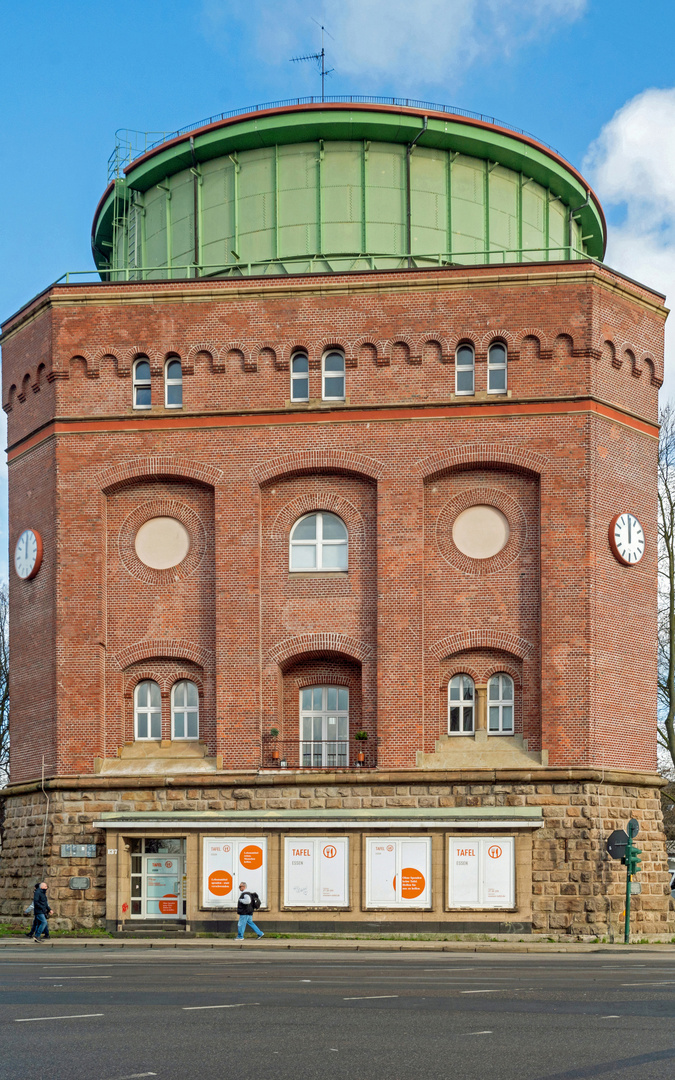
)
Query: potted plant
[
  {"x": 361, "y": 736},
  {"x": 274, "y": 733}
]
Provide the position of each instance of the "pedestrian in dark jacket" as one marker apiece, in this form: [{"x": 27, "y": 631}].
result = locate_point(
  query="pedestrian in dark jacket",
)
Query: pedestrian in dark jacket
[
  {"x": 31, "y": 932},
  {"x": 247, "y": 903},
  {"x": 42, "y": 910}
]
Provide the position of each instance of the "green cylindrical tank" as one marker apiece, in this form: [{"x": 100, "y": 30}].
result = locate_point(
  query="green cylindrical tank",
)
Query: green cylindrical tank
[{"x": 333, "y": 187}]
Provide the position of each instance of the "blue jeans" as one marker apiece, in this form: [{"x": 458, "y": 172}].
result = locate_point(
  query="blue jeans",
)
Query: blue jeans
[
  {"x": 244, "y": 921},
  {"x": 42, "y": 925}
]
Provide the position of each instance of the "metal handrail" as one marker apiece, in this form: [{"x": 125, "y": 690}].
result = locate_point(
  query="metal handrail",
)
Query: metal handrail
[
  {"x": 118, "y": 160},
  {"x": 204, "y": 271}
]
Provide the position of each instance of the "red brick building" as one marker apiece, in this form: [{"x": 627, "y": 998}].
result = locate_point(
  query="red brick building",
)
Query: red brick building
[{"x": 317, "y": 581}]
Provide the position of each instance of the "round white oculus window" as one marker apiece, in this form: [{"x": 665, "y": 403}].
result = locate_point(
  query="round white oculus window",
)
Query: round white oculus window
[
  {"x": 480, "y": 532},
  {"x": 162, "y": 542}
]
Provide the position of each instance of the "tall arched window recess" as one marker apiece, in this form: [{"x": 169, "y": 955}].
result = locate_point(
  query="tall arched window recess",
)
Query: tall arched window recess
[
  {"x": 173, "y": 383},
  {"x": 300, "y": 377},
  {"x": 497, "y": 368},
  {"x": 500, "y": 704},
  {"x": 147, "y": 710},
  {"x": 319, "y": 542},
  {"x": 324, "y": 726},
  {"x": 184, "y": 710},
  {"x": 461, "y": 705},
  {"x": 142, "y": 389},
  {"x": 333, "y": 377},
  {"x": 464, "y": 369}
]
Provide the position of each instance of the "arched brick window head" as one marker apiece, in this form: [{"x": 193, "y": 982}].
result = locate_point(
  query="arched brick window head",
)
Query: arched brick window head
[
  {"x": 318, "y": 542},
  {"x": 184, "y": 710},
  {"x": 142, "y": 389},
  {"x": 500, "y": 704},
  {"x": 173, "y": 383},
  {"x": 461, "y": 698},
  {"x": 147, "y": 710}
]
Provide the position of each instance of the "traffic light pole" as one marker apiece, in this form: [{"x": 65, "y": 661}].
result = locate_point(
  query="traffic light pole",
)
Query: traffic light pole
[{"x": 626, "y": 929}]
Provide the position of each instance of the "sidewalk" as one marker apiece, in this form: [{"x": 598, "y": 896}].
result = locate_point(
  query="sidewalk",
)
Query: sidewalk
[{"x": 339, "y": 945}]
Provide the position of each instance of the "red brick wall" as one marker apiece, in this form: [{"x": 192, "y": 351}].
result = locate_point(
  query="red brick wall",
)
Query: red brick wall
[{"x": 391, "y": 470}]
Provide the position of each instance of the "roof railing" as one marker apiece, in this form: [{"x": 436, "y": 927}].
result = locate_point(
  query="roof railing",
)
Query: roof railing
[{"x": 127, "y": 149}]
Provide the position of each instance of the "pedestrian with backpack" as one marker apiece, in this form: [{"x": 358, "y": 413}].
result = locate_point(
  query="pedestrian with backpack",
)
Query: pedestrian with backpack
[
  {"x": 30, "y": 910},
  {"x": 42, "y": 910},
  {"x": 248, "y": 903}
]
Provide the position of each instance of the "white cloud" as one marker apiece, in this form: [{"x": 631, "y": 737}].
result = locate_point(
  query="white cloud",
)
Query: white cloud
[
  {"x": 411, "y": 44},
  {"x": 632, "y": 166}
]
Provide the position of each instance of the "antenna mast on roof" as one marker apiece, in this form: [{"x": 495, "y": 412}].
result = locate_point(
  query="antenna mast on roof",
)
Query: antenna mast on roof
[{"x": 319, "y": 58}]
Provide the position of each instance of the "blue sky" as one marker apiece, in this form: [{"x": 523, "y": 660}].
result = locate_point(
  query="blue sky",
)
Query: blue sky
[{"x": 594, "y": 78}]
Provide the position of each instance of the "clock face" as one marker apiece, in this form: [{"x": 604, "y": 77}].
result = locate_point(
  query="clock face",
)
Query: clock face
[
  {"x": 627, "y": 539},
  {"x": 28, "y": 554}
]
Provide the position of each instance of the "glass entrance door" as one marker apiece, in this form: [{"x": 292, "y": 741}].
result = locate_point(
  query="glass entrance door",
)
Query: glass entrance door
[{"x": 157, "y": 879}]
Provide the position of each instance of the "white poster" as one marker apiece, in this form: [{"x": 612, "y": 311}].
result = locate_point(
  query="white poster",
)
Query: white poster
[
  {"x": 482, "y": 872},
  {"x": 398, "y": 872},
  {"x": 316, "y": 871},
  {"x": 228, "y": 860}
]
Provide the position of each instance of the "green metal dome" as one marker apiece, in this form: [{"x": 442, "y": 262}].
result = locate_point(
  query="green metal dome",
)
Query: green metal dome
[{"x": 342, "y": 185}]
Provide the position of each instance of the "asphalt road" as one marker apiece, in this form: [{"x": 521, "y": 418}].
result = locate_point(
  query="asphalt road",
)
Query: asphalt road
[{"x": 265, "y": 1015}]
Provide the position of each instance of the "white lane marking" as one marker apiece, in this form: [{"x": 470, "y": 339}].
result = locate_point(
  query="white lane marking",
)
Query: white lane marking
[
  {"x": 667, "y": 982},
  {"x": 48, "y": 967},
  {"x": 498, "y": 990},
  {"x": 305, "y": 980},
  {"x": 334, "y": 1049},
  {"x": 611, "y": 1017},
  {"x": 50, "y": 977},
  {"x": 239, "y": 1005},
  {"x": 370, "y": 997},
  {"x": 134, "y": 1076},
  {"x": 478, "y": 1033},
  {"x": 75, "y": 1016}
]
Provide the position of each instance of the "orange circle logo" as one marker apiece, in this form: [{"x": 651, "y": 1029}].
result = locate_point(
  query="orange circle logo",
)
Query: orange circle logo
[
  {"x": 251, "y": 857},
  {"x": 390, "y": 847},
  {"x": 168, "y": 864},
  {"x": 169, "y": 904},
  {"x": 495, "y": 852},
  {"x": 220, "y": 883},
  {"x": 329, "y": 851},
  {"x": 412, "y": 883}
]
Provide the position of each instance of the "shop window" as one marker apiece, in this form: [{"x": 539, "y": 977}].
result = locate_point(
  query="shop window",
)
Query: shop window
[
  {"x": 464, "y": 370},
  {"x": 398, "y": 872},
  {"x": 229, "y": 860},
  {"x": 147, "y": 710},
  {"x": 500, "y": 705},
  {"x": 316, "y": 871},
  {"x": 461, "y": 695},
  {"x": 142, "y": 389},
  {"x": 481, "y": 872},
  {"x": 184, "y": 710},
  {"x": 318, "y": 542},
  {"x": 497, "y": 368},
  {"x": 333, "y": 377},
  {"x": 324, "y": 727},
  {"x": 173, "y": 383},
  {"x": 300, "y": 377}
]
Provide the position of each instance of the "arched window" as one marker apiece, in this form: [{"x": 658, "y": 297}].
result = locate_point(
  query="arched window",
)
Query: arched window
[
  {"x": 148, "y": 710},
  {"x": 497, "y": 368},
  {"x": 500, "y": 705},
  {"x": 173, "y": 383},
  {"x": 299, "y": 377},
  {"x": 184, "y": 710},
  {"x": 333, "y": 377},
  {"x": 318, "y": 542},
  {"x": 324, "y": 726},
  {"x": 461, "y": 694},
  {"x": 464, "y": 370},
  {"x": 141, "y": 379}
]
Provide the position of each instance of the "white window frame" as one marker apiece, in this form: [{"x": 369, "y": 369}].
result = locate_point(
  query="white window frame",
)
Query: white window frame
[
  {"x": 138, "y": 384},
  {"x": 174, "y": 358},
  {"x": 333, "y": 375},
  {"x": 318, "y": 543},
  {"x": 465, "y": 367},
  {"x": 213, "y": 854},
  {"x": 149, "y": 711},
  {"x": 314, "y": 846},
  {"x": 494, "y": 367},
  {"x": 461, "y": 703},
  {"x": 297, "y": 376},
  {"x": 484, "y": 852},
  {"x": 500, "y": 703},
  {"x": 330, "y": 753},
  {"x": 183, "y": 709},
  {"x": 424, "y": 901}
]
